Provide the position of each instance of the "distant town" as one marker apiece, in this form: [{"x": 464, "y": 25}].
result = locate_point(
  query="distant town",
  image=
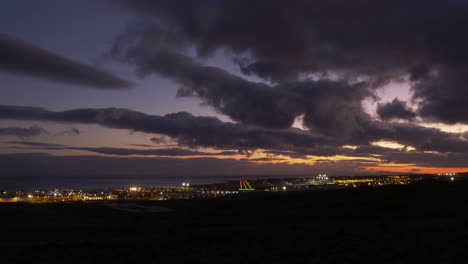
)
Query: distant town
[{"x": 186, "y": 190}]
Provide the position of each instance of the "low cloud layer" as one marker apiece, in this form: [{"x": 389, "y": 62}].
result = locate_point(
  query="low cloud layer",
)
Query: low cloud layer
[
  {"x": 120, "y": 151},
  {"x": 44, "y": 165},
  {"x": 34, "y": 131},
  {"x": 186, "y": 129},
  {"x": 35, "y": 144},
  {"x": 195, "y": 131},
  {"x": 23, "y": 132}
]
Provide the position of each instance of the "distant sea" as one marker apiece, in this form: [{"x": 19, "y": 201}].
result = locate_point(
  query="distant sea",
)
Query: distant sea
[{"x": 39, "y": 182}]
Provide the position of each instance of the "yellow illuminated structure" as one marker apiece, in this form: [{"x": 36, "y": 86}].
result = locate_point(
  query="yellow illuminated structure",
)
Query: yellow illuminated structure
[{"x": 245, "y": 186}]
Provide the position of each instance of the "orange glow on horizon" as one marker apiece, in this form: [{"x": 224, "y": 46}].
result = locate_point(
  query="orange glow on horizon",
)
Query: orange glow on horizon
[
  {"x": 368, "y": 164},
  {"x": 416, "y": 169}
]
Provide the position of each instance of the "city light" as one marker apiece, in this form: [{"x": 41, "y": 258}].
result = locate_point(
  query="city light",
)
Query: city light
[{"x": 188, "y": 191}]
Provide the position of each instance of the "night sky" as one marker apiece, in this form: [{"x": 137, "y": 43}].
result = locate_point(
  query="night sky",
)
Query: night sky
[{"x": 233, "y": 87}]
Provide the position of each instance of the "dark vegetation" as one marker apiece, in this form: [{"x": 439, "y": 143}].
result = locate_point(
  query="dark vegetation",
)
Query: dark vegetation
[{"x": 421, "y": 223}]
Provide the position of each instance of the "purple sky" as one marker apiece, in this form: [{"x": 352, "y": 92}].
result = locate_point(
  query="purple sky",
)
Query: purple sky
[{"x": 288, "y": 89}]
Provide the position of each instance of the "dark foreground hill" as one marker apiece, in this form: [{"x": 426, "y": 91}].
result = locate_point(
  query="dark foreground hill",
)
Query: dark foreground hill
[{"x": 423, "y": 223}]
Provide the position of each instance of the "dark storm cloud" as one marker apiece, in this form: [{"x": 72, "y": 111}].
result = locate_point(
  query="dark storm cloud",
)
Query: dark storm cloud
[
  {"x": 444, "y": 96},
  {"x": 303, "y": 35},
  {"x": 186, "y": 129},
  {"x": 377, "y": 41},
  {"x": 248, "y": 102},
  {"x": 395, "y": 110},
  {"x": 24, "y": 58},
  {"x": 258, "y": 103},
  {"x": 23, "y": 132}
]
